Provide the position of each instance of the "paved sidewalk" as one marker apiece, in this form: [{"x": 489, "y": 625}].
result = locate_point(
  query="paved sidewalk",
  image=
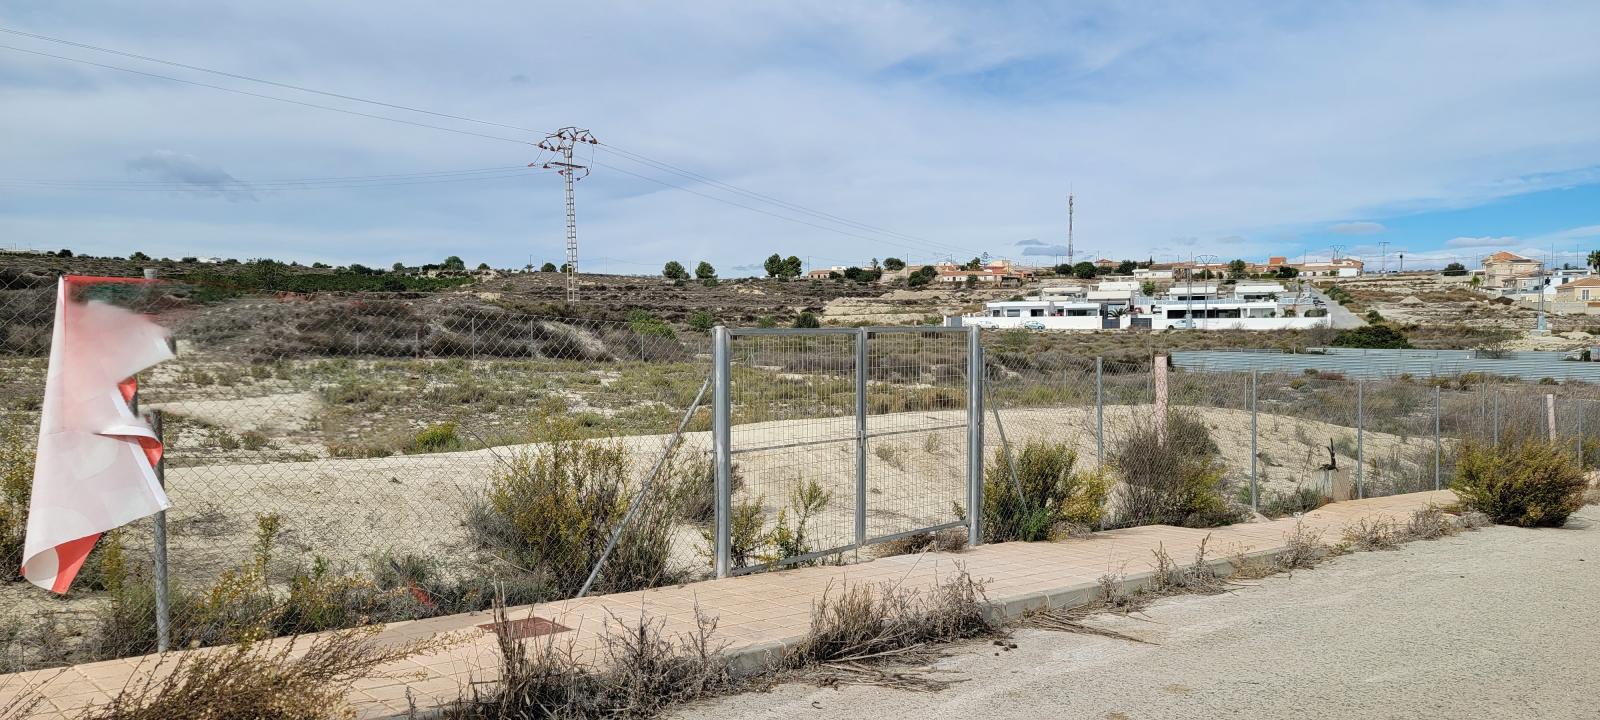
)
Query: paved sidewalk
[{"x": 758, "y": 615}]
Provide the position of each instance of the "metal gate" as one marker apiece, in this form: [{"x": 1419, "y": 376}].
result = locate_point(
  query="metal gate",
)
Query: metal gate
[{"x": 827, "y": 440}]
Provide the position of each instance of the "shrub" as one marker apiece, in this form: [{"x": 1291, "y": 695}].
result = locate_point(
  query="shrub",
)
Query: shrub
[
  {"x": 701, "y": 321},
  {"x": 16, "y": 488},
  {"x": 807, "y": 320},
  {"x": 1372, "y": 336},
  {"x": 435, "y": 438},
  {"x": 1053, "y": 494},
  {"x": 863, "y": 621},
  {"x": 1526, "y": 483},
  {"x": 1172, "y": 480},
  {"x": 697, "y": 493},
  {"x": 553, "y": 509}
]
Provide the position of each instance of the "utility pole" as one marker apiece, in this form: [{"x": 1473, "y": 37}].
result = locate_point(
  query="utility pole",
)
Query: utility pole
[
  {"x": 1069, "y": 229},
  {"x": 1383, "y": 255},
  {"x": 562, "y": 141},
  {"x": 1402, "y": 262}
]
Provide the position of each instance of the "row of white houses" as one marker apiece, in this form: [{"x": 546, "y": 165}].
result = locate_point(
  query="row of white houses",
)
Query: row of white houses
[{"x": 1249, "y": 305}]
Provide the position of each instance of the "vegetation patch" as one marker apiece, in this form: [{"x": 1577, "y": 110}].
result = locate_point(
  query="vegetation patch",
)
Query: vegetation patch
[{"x": 1527, "y": 483}]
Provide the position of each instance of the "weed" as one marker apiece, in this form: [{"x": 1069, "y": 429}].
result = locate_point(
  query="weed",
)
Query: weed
[
  {"x": 931, "y": 444},
  {"x": 16, "y": 489},
  {"x": 254, "y": 440},
  {"x": 866, "y": 621},
  {"x": 1302, "y": 548},
  {"x": 1529, "y": 483},
  {"x": 946, "y": 540},
  {"x": 435, "y": 438},
  {"x": 1429, "y": 523},
  {"x": 643, "y": 673},
  {"x": 268, "y": 681},
  {"x": 1368, "y": 534},
  {"x": 892, "y": 454}
]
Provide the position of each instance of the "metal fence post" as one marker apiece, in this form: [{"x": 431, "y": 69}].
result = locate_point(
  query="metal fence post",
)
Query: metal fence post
[
  {"x": 163, "y": 608},
  {"x": 1550, "y": 417},
  {"x": 1099, "y": 413},
  {"x": 861, "y": 437},
  {"x": 1494, "y": 420},
  {"x": 1361, "y": 456},
  {"x": 721, "y": 449},
  {"x": 1254, "y": 492},
  {"x": 1579, "y": 403},
  {"x": 1436, "y": 442},
  {"x": 975, "y": 387}
]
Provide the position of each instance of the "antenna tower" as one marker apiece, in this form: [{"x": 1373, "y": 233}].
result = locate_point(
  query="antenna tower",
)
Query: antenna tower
[
  {"x": 1069, "y": 229},
  {"x": 562, "y": 142}
]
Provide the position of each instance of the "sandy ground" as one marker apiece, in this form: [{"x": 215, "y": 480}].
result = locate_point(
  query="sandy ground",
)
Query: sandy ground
[{"x": 1498, "y": 623}]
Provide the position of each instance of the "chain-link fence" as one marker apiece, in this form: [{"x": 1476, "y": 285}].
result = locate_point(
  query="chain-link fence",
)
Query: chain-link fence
[{"x": 351, "y": 457}]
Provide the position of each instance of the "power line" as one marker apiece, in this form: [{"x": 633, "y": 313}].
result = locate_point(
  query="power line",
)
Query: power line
[
  {"x": 258, "y": 183},
  {"x": 244, "y": 186},
  {"x": 636, "y": 157},
  {"x": 265, "y": 97}
]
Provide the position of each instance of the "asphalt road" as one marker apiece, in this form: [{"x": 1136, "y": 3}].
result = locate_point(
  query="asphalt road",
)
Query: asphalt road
[
  {"x": 1339, "y": 317},
  {"x": 1498, "y": 623}
]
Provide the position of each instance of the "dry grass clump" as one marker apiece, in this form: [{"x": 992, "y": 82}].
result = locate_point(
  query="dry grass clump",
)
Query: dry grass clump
[
  {"x": 1530, "y": 483},
  {"x": 863, "y": 622},
  {"x": 1368, "y": 534},
  {"x": 16, "y": 487},
  {"x": 1197, "y": 577},
  {"x": 946, "y": 540},
  {"x": 643, "y": 672},
  {"x": 265, "y": 681},
  {"x": 1430, "y": 523},
  {"x": 1303, "y": 548}
]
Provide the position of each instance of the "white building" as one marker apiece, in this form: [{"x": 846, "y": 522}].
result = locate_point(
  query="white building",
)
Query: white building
[
  {"x": 1151, "y": 274},
  {"x": 1257, "y": 290}
]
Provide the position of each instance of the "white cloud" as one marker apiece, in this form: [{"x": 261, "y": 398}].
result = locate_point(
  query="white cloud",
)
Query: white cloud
[
  {"x": 943, "y": 123},
  {"x": 1363, "y": 227}
]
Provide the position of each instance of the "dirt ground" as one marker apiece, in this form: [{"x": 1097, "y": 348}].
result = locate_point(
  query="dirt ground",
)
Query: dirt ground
[
  {"x": 1434, "y": 302},
  {"x": 1497, "y": 623}
]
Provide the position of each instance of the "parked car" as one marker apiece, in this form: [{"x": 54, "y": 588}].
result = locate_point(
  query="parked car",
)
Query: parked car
[{"x": 1033, "y": 325}]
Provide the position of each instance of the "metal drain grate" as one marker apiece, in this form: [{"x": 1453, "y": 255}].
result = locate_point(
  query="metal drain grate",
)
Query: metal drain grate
[{"x": 526, "y": 627}]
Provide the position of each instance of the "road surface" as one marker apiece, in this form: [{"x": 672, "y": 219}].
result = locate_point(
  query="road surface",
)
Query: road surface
[
  {"x": 1339, "y": 317},
  {"x": 1498, "y": 623}
]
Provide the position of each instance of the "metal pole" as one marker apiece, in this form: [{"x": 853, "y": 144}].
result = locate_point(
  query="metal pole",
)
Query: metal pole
[
  {"x": 1099, "y": 413},
  {"x": 1580, "y": 433},
  {"x": 721, "y": 449},
  {"x": 163, "y": 609},
  {"x": 1437, "y": 407},
  {"x": 1550, "y": 414},
  {"x": 1361, "y": 421},
  {"x": 975, "y": 386},
  {"x": 644, "y": 489},
  {"x": 861, "y": 437},
  {"x": 1254, "y": 494}
]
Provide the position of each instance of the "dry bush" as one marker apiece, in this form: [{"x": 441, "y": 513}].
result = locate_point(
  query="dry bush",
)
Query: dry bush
[
  {"x": 1430, "y": 523},
  {"x": 866, "y": 621},
  {"x": 946, "y": 540},
  {"x": 1303, "y": 548},
  {"x": 1054, "y": 494},
  {"x": 551, "y": 510},
  {"x": 643, "y": 673},
  {"x": 1369, "y": 534},
  {"x": 1175, "y": 478},
  {"x": 1528, "y": 483},
  {"x": 264, "y": 681}
]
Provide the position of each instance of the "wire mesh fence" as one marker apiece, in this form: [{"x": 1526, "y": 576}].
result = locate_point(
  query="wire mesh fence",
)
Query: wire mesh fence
[{"x": 343, "y": 458}]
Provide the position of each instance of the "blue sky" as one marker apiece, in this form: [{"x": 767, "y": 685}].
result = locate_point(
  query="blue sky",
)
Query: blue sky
[{"x": 918, "y": 130}]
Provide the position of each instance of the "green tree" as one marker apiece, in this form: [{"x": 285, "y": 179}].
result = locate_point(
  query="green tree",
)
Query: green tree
[
  {"x": 792, "y": 266},
  {"x": 1456, "y": 269},
  {"x": 1236, "y": 269},
  {"x": 1287, "y": 273},
  {"x": 454, "y": 262},
  {"x": 971, "y": 281},
  {"x": 973, "y": 264},
  {"x": 483, "y": 266},
  {"x": 138, "y": 256},
  {"x": 1126, "y": 267},
  {"x": 398, "y": 267},
  {"x": 547, "y": 267},
  {"x": 1084, "y": 270},
  {"x": 64, "y": 253},
  {"x": 704, "y": 271},
  {"x": 1148, "y": 288},
  {"x": 701, "y": 321},
  {"x": 773, "y": 265},
  {"x": 894, "y": 264},
  {"x": 1594, "y": 259},
  {"x": 673, "y": 270},
  {"x": 922, "y": 276}
]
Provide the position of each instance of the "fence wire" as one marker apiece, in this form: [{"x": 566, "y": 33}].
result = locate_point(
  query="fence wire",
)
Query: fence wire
[{"x": 342, "y": 458}]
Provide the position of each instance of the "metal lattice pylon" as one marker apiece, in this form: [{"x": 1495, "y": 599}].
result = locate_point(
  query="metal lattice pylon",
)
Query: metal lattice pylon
[{"x": 563, "y": 141}]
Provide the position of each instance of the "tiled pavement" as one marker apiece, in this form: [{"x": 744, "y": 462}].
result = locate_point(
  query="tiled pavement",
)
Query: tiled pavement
[{"x": 757, "y": 614}]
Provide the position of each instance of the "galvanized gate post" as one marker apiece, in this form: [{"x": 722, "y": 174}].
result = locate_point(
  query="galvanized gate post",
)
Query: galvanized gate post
[
  {"x": 1495, "y": 420},
  {"x": 1361, "y": 422},
  {"x": 1436, "y": 442},
  {"x": 1254, "y": 493},
  {"x": 1099, "y": 414},
  {"x": 1580, "y": 432},
  {"x": 975, "y": 387},
  {"x": 721, "y": 449},
  {"x": 861, "y": 437},
  {"x": 163, "y": 607}
]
